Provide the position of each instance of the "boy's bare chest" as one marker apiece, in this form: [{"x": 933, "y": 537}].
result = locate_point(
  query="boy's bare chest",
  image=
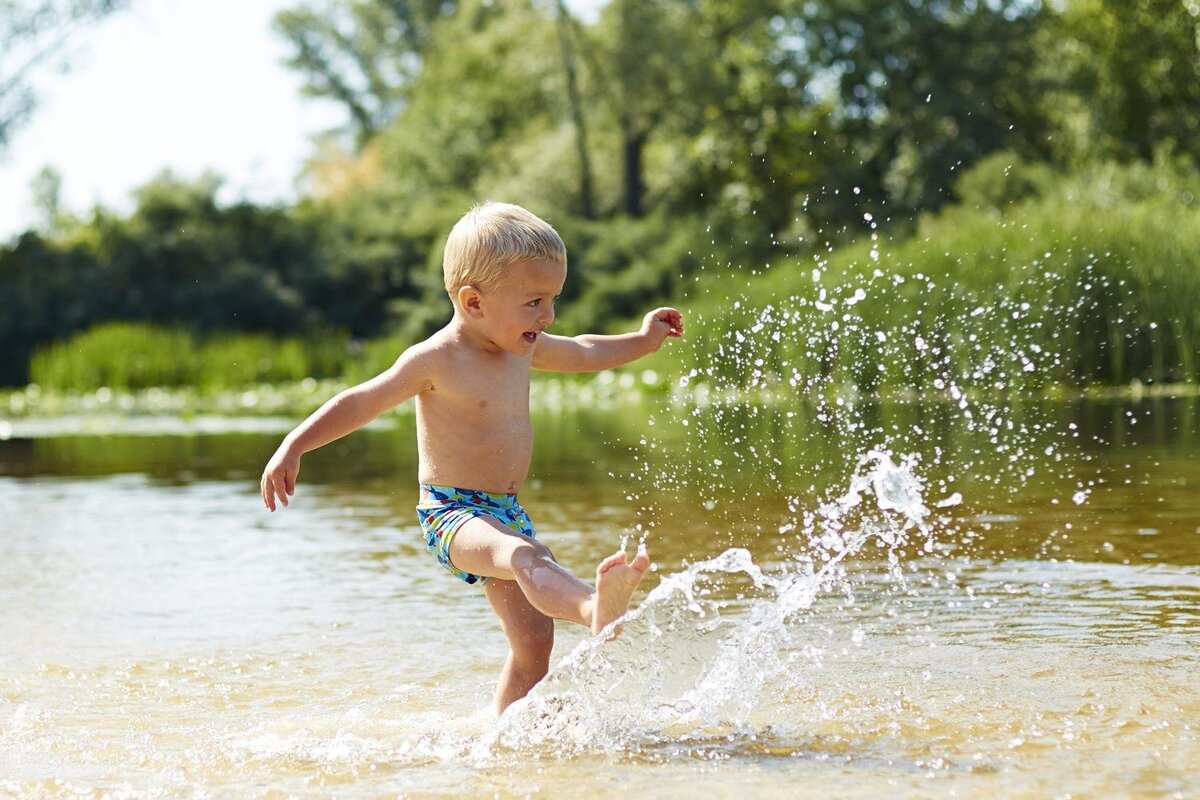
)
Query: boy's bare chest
[{"x": 487, "y": 391}]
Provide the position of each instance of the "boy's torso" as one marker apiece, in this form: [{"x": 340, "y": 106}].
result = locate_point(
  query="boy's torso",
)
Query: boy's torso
[{"x": 473, "y": 428}]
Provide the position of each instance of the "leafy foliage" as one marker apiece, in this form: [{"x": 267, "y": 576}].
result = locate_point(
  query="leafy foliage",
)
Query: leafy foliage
[
  {"x": 1137, "y": 65},
  {"x": 361, "y": 54}
]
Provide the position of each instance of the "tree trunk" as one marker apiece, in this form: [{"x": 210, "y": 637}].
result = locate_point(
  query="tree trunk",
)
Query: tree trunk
[
  {"x": 634, "y": 143},
  {"x": 587, "y": 204}
]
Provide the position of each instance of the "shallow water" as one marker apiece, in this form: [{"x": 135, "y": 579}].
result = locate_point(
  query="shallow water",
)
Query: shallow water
[{"x": 963, "y": 612}]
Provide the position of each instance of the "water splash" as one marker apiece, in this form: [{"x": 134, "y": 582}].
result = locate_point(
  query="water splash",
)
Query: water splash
[{"x": 697, "y": 660}]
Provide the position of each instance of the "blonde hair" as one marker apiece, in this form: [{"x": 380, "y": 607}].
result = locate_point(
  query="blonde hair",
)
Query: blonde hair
[{"x": 493, "y": 236}]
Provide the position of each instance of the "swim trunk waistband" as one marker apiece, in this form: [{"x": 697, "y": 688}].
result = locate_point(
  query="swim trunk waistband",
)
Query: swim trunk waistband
[{"x": 442, "y": 494}]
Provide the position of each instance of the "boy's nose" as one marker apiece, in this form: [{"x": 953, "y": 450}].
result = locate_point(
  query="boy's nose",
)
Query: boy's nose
[{"x": 547, "y": 315}]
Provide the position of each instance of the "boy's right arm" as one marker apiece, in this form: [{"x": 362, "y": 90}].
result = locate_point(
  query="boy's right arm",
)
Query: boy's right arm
[{"x": 344, "y": 413}]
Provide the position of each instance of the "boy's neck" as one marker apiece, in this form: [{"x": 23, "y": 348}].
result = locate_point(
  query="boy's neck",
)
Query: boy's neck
[{"x": 463, "y": 330}]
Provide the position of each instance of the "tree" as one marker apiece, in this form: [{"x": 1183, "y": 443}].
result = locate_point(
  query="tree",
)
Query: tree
[
  {"x": 643, "y": 71},
  {"x": 748, "y": 135},
  {"x": 48, "y": 291},
  {"x": 924, "y": 89},
  {"x": 362, "y": 54},
  {"x": 1136, "y": 66},
  {"x": 46, "y": 188},
  {"x": 474, "y": 125},
  {"x": 180, "y": 259},
  {"x": 33, "y": 36}
]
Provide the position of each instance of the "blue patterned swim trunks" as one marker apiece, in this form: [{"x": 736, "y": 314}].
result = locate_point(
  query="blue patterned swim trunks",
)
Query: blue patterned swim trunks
[{"x": 442, "y": 510}]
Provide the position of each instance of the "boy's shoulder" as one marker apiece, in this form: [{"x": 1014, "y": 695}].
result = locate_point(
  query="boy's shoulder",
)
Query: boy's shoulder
[
  {"x": 443, "y": 344},
  {"x": 451, "y": 361},
  {"x": 429, "y": 353},
  {"x": 441, "y": 352}
]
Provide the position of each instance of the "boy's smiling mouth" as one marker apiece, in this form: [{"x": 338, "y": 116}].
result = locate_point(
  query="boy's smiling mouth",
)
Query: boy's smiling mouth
[{"x": 530, "y": 336}]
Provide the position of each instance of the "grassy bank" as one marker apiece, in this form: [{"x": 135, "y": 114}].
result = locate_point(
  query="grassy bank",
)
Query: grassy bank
[{"x": 298, "y": 398}]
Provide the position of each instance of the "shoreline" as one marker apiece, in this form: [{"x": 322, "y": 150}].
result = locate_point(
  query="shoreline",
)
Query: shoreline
[{"x": 32, "y": 412}]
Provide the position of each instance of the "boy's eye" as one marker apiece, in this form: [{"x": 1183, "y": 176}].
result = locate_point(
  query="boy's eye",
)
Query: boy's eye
[{"x": 534, "y": 303}]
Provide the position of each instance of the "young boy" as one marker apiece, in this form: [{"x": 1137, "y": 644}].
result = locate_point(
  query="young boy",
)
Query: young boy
[{"x": 504, "y": 268}]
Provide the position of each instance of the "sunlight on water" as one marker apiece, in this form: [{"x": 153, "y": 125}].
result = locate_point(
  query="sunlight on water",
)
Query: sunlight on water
[{"x": 171, "y": 637}]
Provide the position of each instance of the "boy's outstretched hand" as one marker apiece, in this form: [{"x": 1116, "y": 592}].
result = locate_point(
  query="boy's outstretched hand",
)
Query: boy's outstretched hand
[
  {"x": 279, "y": 478},
  {"x": 663, "y": 322}
]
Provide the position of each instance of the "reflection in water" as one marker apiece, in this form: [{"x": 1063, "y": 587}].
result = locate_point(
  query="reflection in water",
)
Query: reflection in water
[{"x": 932, "y": 618}]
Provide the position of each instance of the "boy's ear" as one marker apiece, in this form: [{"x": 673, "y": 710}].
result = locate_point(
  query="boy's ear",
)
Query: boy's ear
[{"x": 469, "y": 299}]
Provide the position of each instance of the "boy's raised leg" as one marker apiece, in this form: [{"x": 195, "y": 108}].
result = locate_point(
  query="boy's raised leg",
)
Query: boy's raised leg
[{"x": 483, "y": 546}]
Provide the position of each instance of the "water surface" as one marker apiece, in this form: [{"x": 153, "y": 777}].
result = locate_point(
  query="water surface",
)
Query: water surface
[{"x": 1002, "y": 609}]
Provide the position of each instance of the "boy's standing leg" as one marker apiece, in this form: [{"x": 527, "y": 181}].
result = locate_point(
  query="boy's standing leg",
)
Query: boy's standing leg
[{"x": 530, "y": 640}]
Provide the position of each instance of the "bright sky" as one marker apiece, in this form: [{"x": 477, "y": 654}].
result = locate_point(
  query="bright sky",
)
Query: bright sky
[{"x": 192, "y": 85}]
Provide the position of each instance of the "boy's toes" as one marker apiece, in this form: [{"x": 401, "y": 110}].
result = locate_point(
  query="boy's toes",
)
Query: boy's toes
[
  {"x": 612, "y": 561},
  {"x": 641, "y": 561}
]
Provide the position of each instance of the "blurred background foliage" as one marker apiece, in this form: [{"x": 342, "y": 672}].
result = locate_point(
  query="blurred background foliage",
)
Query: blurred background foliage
[{"x": 731, "y": 142}]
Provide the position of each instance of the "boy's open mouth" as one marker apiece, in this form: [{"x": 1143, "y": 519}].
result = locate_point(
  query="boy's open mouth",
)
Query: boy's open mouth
[{"x": 530, "y": 336}]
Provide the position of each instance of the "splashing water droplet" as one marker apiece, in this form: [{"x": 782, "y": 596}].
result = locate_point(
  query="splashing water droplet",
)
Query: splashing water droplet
[{"x": 953, "y": 500}]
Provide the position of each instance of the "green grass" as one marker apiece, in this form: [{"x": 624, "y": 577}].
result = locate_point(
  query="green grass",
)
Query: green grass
[{"x": 131, "y": 356}]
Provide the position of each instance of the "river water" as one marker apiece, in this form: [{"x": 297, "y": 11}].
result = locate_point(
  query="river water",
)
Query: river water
[{"x": 853, "y": 602}]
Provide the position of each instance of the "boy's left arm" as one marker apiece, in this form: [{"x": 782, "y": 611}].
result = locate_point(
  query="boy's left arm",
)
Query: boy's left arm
[{"x": 593, "y": 353}]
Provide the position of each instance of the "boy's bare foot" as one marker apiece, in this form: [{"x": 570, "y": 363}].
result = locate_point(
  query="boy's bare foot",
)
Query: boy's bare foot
[{"x": 615, "y": 582}]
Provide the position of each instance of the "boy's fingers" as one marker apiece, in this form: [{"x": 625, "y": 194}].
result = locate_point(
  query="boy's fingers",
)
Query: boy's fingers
[{"x": 273, "y": 490}]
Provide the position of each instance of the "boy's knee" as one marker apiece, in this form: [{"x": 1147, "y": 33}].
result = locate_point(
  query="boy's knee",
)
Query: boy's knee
[{"x": 530, "y": 553}]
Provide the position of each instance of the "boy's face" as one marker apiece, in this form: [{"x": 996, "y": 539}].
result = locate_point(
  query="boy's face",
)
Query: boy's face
[{"x": 515, "y": 311}]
